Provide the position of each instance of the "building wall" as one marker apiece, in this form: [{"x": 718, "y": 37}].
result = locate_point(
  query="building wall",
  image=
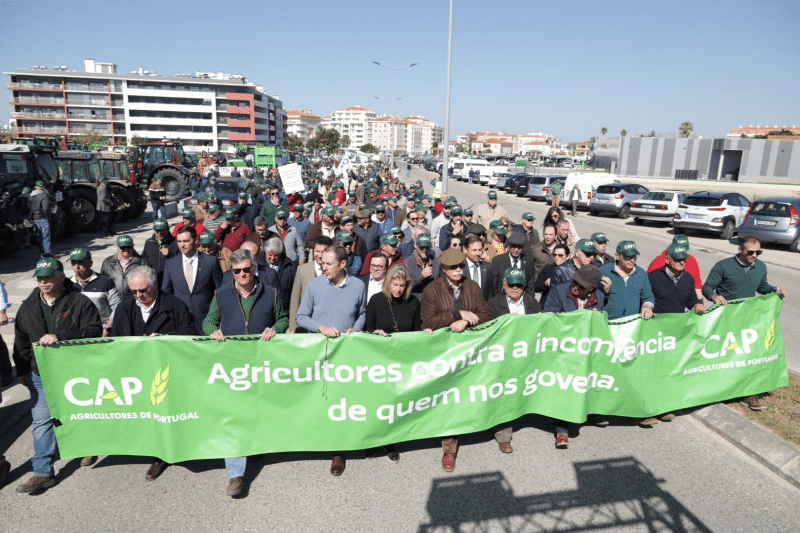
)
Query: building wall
[{"x": 755, "y": 160}]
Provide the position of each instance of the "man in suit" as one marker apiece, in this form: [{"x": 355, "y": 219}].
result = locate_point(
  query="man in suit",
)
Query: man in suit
[
  {"x": 476, "y": 269},
  {"x": 306, "y": 273},
  {"x": 513, "y": 259},
  {"x": 191, "y": 276}
]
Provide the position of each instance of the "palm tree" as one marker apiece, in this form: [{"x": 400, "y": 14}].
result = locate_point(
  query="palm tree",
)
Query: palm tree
[
  {"x": 623, "y": 133},
  {"x": 604, "y": 130},
  {"x": 686, "y": 128}
]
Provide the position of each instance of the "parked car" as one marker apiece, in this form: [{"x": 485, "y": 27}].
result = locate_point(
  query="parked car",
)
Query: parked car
[
  {"x": 511, "y": 183},
  {"x": 498, "y": 179},
  {"x": 713, "y": 212},
  {"x": 226, "y": 192},
  {"x": 539, "y": 185},
  {"x": 587, "y": 182},
  {"x": 548, "y": 194},
  {"x": 615, "y": 198},
  {"x": 774, "y": 219},
  {"x": 658, "y": 206}
]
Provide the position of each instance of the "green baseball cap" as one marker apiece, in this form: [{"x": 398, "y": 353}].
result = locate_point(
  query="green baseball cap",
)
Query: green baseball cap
[
  {"x": 492, "y": 195},
  {"x": 424, "y": 240},
  {"x": 453, "y": 200},
  {"x": 678, "y": 251},
  {"x": 39, "y": 183},
  {"x": 467, "y": 212},
  {"x": 206, "y": 238},
  {"x": 398, "y": 189},
  {"x": 160, "y": 224},
  {"x": 328, "y": 212},
  {"x": 187, "y": 213},
  {"x": 26, "y": 190},
  {"x": 397, "y": 229},
  {"x": 124, "y": 240},
  {"x": 500, "y": 229},
  {"x": 586, "y": 246},
  {"x": 380, "y": 208},
  {"x": 281, "y": 213},
  {"x": 213, "y": 208},
  {"x": 528, "y": 216},
  {"x": 47, "y": 266},
  {"x": 344, "y": 237},
  {"x": 447, "y": 205},
  {"x": 681, "y": 239},
  {"x": 345, "y": 219},
  {"x": 80, "y": 255},
  {"x": 230, "y": 213},
  {"x": 627, "y": 248},
  {"x": 242, "y": 194},
  {"x": 456, "y": 210},
  {"x": 299, "y": 207},
  {"x": 202, "y": 197},
  {"x": 515, "y": 276},
  {"x": 419, "y": 183},
  {"x": 389, "y": 239},
  {"x": 599, "y": 237}
]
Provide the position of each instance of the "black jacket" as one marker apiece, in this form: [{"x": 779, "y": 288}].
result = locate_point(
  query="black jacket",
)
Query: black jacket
[
  {"x": 74, "y": 317},
  {"x": 499, "y": 305},
  {"x": 501, "y": 263},
  {"x": 671, "y": 297},
  {"x": 152, "y": 252},
  {"x": 170, "y": 316}
]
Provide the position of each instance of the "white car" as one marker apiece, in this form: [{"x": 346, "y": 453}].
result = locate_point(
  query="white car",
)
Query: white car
[
  {"x": 658, "y": 206},
  {"x": 714, "y": 212}
]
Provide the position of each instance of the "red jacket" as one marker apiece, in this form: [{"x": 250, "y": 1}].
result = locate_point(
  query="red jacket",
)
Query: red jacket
[
  {"x": 232, "y": 237},
  {"x": 198, "y": 227},
  {"x": 691, "y": 267}
]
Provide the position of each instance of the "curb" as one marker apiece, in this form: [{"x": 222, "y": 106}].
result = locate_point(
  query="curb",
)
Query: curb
[{"x": 759, "y": 443}]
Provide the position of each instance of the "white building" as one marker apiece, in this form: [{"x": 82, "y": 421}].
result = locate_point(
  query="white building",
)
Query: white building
[
  {"x": 302, "y": 123},
  {"x": 353, "y": 122},
  {"x": 415, "y": 135},
  {"x": 501, "y": 142},
  {"x": 206, "y": 111}
]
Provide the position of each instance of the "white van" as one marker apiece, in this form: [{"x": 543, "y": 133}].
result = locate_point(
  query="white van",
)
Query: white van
[
  {"x": 488, "y": 171},
  {"x": 470, "y": 164},
  {"x": 587, "y": 183}
]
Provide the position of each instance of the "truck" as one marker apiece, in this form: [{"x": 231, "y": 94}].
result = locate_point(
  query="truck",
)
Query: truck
[{"x": 264, "y": 156}]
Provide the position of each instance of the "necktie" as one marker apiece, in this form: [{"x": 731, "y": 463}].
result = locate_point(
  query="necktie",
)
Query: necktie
[
  {"x": 187, "y": 272},
  {"x": 476, "y": 273},
  {"x": 516, "y": 263}
]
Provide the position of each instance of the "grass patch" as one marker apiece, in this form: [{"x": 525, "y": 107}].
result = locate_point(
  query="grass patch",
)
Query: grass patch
[{"x": 782, "y": 413}]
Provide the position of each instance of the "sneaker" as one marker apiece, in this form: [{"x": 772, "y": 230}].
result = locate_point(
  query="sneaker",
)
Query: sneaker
[
  {"x": 753, "y": 403},
  {"x": 669, "y": 417},
  {"x": 562, "y": 441},
  {"x": 645, "y": 422},
  {"x": 235, "y": 486},
  {"x": 36, "y": 484}
]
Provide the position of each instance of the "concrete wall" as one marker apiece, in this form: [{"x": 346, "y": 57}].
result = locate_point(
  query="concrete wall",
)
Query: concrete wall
[{"x": 755, "y": 160}]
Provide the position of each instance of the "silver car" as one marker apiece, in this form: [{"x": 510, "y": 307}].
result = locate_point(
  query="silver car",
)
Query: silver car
[
  {"x": 498, "y": 180},
  {"x": 615, "y": 198},
  {"x": 539, "y": 185},
  {"x": 658, "y": 206},
  {"x": 774, "y": 219}
]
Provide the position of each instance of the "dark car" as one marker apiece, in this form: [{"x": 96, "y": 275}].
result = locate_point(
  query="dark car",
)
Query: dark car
[
  {"x": 522, "y": 185},
  {"x": 226, "y": 191},
  {"x": 511, "y": 183}
]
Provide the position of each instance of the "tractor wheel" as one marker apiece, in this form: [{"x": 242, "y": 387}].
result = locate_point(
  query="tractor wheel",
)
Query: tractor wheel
[
  {"x": 174, "y": 183},
  {"x": 128, "y": 205},
  {"x": 92, "y": 222}
]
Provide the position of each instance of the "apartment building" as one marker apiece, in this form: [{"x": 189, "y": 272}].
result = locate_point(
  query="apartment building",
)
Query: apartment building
[
  {"x": 415, "y": 135},
  {"x": 205, "y": 110},
  {"x": 302, "y": 123},
  {"x": 501, "y": 142},
  {"x": 353, "y": 122}
]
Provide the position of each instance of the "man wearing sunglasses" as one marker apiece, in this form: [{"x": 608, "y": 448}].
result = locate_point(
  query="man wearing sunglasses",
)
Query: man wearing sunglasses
[
  {"x": 626, "y": 286},
  {"x": 272, "y": 205},
  {"x": 584, "y": 253},
  {"x": 244, "y": 307},
  {"x": 741, "y": 276}
]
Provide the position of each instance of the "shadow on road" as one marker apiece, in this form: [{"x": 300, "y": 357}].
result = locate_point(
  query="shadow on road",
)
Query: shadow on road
[{"x": 612, "y": 494}]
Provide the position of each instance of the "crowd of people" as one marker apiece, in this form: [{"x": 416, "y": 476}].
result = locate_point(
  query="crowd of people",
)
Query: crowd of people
[{"x": 360, "y": 252}]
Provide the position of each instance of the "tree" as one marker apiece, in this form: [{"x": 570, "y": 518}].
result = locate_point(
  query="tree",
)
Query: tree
[
  {"x": 295, "y": 143},
  {"x": 623, "y": 133},
  {"x": 686, "y": 128},
  {"x": 325, "y": 139},
  {"x": 91, "y": 139},
  {"x": 136, "y": 140},
  {"x": 368, "y": 148},
  {"x": 604, "y": 130},
  {"x": 345, "y": 141},
  {"x": 470, "y": 139}
]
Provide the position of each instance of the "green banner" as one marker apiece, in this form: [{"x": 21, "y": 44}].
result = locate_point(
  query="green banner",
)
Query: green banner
[{"x": 181, "y": 398}]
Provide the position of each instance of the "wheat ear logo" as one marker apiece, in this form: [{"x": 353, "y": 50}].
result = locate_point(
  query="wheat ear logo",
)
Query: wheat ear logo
[
  {"x": 770, "y": 336},
  {"x": 158, "y": 390}
]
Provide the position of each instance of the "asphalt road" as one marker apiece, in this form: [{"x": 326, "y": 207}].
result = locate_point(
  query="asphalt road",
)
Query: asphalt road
[{"x": 677, "y": 476}]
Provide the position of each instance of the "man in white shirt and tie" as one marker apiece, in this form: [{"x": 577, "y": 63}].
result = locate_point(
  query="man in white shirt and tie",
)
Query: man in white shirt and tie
[
  {"x": 477, "y": 270},
  {"x": 378, "y": 267}
]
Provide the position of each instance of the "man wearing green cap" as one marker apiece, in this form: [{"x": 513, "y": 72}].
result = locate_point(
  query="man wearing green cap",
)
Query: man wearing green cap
[
  {"x": 629, "y": 290},
  {"x": 439, "y": 222},
  {"x": 99, "y": 288},
  {"x": 188, "y": 220},
  {"x": 352, "y": 203},
  {"x": 673, "y": 286},
  {"x": 486, "y": 213},
  {"x": 117, "y": 266},
  {"x": 39, "y": 206},
  {"x": 214, "y": 218},
  {"x": 388, "y": 247},
  {"x": 421, "y": 265},
  {"x": 299, "y": 221},
  {"x": 584, "y": 253},
  {"x": 201, "y": 209},
  {"x": 55, "y": 311},
  {"x": 159, "y": 247},
  {"x": 455, "y": 302},
  {"x": 272, "y": 205},
  {"x": 692, "y": 267},
  {"x": 530, "y": 233},
  {"x": 326, "y": 226},
  {"x": 454, "y": 227},
  {"x": 232, "y": 232},
  {"x": 366, "y": 229},
  {"x": 601, "y": 245},
  {"x": 345, "y": 239}
]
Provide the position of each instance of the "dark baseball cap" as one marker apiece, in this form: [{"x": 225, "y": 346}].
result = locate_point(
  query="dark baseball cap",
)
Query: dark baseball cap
[
  {"x": 344, "y": 237},
  {"x": 514, "y": 276},
  {"x": 160, "y": 224},
  {"x": 80, "y": 255},
  {"x": 124, "y": 240},
  {"x": 678, "y": 251},
  {"x": 585, "y": 246},
  {"x": 424, "y": 240},
  {"x": 47, "y": 266},
  {"x": 599, "y": 237}
]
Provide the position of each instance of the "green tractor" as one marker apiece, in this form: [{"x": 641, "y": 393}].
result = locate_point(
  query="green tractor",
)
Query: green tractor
[
  {"x": 166, "y": 160},
  {"x": 263, "y": 156}
]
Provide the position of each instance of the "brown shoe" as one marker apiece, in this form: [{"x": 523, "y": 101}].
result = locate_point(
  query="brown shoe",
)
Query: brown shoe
[
  {"x": 235, "y": 486},
  {"x": 505, "y": 447},
  {"x": 89, "y": 460},
  {"x": 562, "y": 441},
  {"x": 36, "y": 484},
  {"x": 669, "y": 417},
  {"x": 753, "y": 403},
  {"x": 645, "y": 422},
  {"x": 337, "y": 465},
  {"x": 156, "y": 469},
  {"x": 5, "y": 468},
  {"x": 599, "y": 421},
  {"x": 448, "y": 462}
]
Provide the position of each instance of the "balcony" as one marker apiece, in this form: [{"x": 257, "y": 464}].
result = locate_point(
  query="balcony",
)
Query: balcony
[
  {"x": 40, "y": 115},
  {"x": 93, "y": 88},
  {"x": 85, "y": 116},
  {"x": 49, "y": 130},
  {"x": 36, "y": 86},
  {"x": 37, "y": 101}
]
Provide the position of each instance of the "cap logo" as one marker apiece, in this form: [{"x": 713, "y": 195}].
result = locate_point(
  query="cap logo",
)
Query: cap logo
[
  {"x": 42, "y": 264},
  {"x": 628, "y": 246}
]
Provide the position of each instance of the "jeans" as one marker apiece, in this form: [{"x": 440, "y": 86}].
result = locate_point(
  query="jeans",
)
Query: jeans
[
  {"x": 234, "y": 466},
  {"x": 44, "y": 437},
  {"x": 159, "y": 208},
  {"x": 44, "y": 228}
]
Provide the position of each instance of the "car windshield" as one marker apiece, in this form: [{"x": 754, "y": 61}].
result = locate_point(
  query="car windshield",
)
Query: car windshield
[
  {"x": 230, "y": 187},
  {"x": 538, "y": 181},
  {"x": 608, "y": 189},
  {"x": 703, "y": 201},
  {"x": 771, "y": 209},
  {"x": 659, "y": 196}
]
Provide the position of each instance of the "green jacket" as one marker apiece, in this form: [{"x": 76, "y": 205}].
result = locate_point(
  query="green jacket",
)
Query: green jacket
[{"x": 731, "y": 279}]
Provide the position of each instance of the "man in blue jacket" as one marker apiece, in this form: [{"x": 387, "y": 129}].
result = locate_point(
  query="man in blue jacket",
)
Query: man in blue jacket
[{"x": 629, "y": 291}]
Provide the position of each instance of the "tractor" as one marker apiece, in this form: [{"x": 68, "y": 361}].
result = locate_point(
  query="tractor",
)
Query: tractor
[{"x": 164, "y": 159}]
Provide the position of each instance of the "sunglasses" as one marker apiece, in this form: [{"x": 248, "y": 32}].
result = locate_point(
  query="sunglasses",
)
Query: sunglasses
[
  {"x": 753, "y": 252},
  {"x": 246, "y": 270},
  {"x": 126, "y": 248},
  {"x": 140, "y": 291},
  {"x": 516, "y": 286},
  {"x": 460, "y": 266},
  {"x": 274, "y": 194},
  {"x": 559, "y": 255},
  {"x": 413, "y": 219}
]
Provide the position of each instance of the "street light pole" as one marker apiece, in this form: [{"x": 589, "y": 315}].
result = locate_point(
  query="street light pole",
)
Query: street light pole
[
  {"x": 394, "y": 104},
  {"x": 445, "y": 173}
]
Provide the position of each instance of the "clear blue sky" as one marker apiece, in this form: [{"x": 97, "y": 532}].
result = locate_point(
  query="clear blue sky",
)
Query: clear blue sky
[{"x": 566, "y": 68}]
